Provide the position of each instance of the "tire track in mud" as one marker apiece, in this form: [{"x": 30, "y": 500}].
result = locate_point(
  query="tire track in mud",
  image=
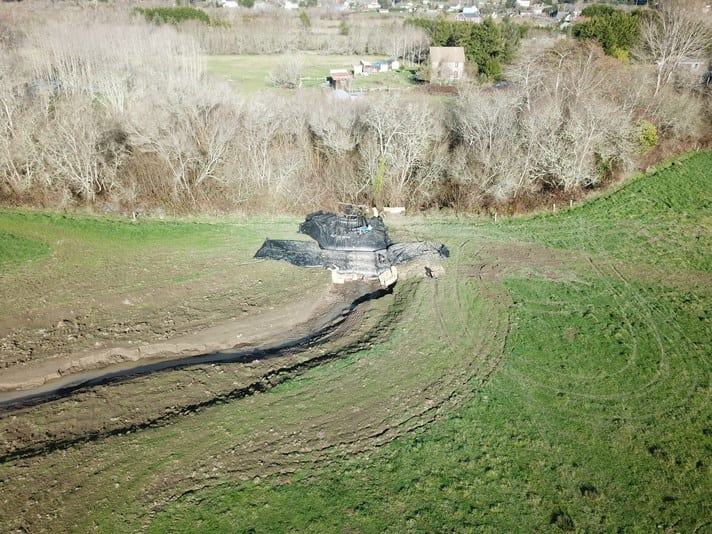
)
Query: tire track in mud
[
  {"x": 287, "y": 366},
  {"x": 83, "y": 460},
  {"x": 479, "y": 354},
  {"x": 365, "y": 423},
  {"x": 360, "y": 410}
]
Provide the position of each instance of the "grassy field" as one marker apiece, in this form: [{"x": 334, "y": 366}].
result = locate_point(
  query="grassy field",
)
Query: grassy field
[
  {"x": 17, "y": 249},
  {"x": 597, "y": 421},
  {"x": 249, "y": 73},
  {"x": 555, "y": 378},
  {"x": 663, "y": 219}
]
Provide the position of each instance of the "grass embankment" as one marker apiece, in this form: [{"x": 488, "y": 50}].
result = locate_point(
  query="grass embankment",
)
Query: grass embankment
[
  {"x": 663, "y": 218},
  {"x": 596, "y": 417},
  {"x": 597, "y": 421}
]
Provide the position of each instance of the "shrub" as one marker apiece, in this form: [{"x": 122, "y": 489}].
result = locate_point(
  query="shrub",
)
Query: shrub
[
  {"x": 616, "y": 31},
  {"x": 305, "y": 20},
  {"x": 647, "y": 137},
  {"x": 287, "y": 73},
  {"x": 173, "y": 15}
]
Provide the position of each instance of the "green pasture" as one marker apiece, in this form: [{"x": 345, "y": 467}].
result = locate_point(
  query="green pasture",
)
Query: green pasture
[
  {"x": 567, "y": 354},
  {"x": 69, "y": 258},
  {"x": 597, "y": 421},
  {"x": 663, "y": 218},
  {"x": 249, "y": 73},
  {"x": 108, "y": 235}
]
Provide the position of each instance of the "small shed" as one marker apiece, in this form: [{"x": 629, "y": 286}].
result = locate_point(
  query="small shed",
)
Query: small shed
[
  {"x": 339, "y": 79},
  {"x": 447, "y": 64}
]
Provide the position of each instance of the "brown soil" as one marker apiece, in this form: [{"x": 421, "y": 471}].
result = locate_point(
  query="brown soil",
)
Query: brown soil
[{"x": 264, "y": 327}]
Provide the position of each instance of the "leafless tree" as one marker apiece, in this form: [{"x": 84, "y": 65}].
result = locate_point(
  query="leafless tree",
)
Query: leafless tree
[
  {"x": 681, "y": 116},
  {"x": 336, "y": 134},
  {"x": 287, "y": 74},
  {"x": 70, "y": 148},
  {"x": 400, "y": 151},
  {"x": 485, "y": 124},
  {"x": 670, "y": 36}
]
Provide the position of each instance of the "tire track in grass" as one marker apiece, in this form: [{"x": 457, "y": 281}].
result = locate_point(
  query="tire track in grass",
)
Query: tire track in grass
[
  {"x": 638, "y": 315},
  {"x": 375, "y": 424},
  {"x": 651, "y": 315},
  {"x": 486, "y": 347}
]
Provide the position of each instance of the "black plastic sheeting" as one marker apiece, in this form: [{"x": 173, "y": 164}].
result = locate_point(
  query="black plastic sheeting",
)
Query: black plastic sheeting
[
  {"x": 309, "y": 254},
  {"x": 370, "y": 253},
  {"x": 351, "y": 231}
]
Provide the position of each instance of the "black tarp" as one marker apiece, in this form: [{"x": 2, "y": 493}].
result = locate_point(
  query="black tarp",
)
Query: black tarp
[
  {"x": 365, "y": 262},
  {"x": 351, "y": 231},
  {"x": 418, "y": 250},
  {"x": 350, "y": 243},
  {"x": 309, "y": 254}
]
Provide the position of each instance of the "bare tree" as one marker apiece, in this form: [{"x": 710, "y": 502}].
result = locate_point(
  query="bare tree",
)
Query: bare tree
[
  {"x": 287, "y": 74},
  {"x": 70, "y": 148},
  {"x": 485, "y": 124},
  {"x": 672, "y": 35},
  {"x": 191, "y": 134},
  {"x": 402, "y": 157}
]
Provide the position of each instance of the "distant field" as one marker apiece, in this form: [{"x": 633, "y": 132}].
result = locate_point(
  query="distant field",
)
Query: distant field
[
  {"x": 555, "y": 378},
  {"x": 249, "y": 73}
]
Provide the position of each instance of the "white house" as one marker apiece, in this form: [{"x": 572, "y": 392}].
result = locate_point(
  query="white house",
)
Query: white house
[{"x": 447, "y": 64}]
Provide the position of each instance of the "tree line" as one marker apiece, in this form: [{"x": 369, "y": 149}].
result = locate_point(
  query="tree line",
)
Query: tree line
[
  {"x": 488, "y": 45},
  {"x": 121, "y": 115}
]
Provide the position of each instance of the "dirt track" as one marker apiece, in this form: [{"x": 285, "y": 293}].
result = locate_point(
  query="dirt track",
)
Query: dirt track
[{"x": 267, "y": 328}]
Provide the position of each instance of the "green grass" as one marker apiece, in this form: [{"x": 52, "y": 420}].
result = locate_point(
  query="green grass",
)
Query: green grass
[
  {"x": 596, "y": 419},
  {"x": 395, "y": 79},
  {"x": 663, "y": 218},
  {"x": 249, "y": 73},
  {"x": 49, "y": 227},
  {"x": 15, "y": 249},
  {"x": 84, "y": 258}
]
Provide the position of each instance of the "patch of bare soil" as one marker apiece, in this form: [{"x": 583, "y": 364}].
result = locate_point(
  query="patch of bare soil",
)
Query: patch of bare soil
[
  {"x": 269, "y": 346},
  {"x": 265, "y": 327}
]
